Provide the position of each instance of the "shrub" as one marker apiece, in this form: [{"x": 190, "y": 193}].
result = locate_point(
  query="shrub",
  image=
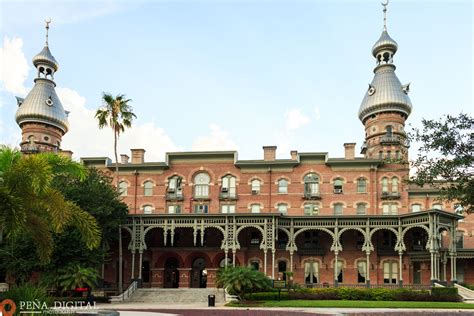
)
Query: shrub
[
  {"x": 445, "y": 294},
  {"x": 241, "y": 280},
  {"x": 267, "y": 296},
  {"x": 27, "y": 292}
]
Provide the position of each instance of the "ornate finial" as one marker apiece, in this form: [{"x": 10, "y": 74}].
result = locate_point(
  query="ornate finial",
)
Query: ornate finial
[
  {"x": 385, "y": 14},
  {"x": 47, "y": 29}
]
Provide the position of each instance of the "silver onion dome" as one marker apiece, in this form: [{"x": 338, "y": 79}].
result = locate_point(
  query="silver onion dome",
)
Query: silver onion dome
[
  {"x": 385, "y": 94},
  {"x": 42, "y": 105},
  {"x": 45, "y": 57},
  {"x": 385, "y": 42}
]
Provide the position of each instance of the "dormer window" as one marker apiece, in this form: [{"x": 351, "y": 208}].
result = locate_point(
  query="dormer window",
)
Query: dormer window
[
  {"x": 338, "y": 186},
  {"x": 282, "y": 186}
]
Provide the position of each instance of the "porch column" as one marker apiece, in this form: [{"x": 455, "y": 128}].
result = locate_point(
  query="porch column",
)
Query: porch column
[
  {"x": 273, "y": 264},
  {"x": 367, "y": 272},
  {"x": 291, "y": 261},
  {"x": 432, "y": 277},
  {"x": 335, "y": 268},
  {"x": 140, "y": 261},
  {"x": 233, "y": 256},
  {"x": 400, "y": 268},
  {"x": 444, "y": 268},
  {"x": 265, "y": 261},
  {"x": 225, "y": 258},
  {"x": 133, "y": 265}
]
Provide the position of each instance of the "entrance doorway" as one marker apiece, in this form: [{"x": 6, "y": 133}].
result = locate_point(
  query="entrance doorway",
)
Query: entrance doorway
[
  {"x": 171, "y": 274},
  {"x": 416, "y": 273},
  {"x": 199, "y": 273}
]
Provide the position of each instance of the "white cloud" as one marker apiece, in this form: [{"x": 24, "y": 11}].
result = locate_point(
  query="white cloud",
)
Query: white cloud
[
  {"x": 317, "y": 113},
  {"x": 295, "y": 119},
  {"x": 14, "y": 66},
  {"x": 217, "y": 140},
  {"x": 85, "y": 139}
]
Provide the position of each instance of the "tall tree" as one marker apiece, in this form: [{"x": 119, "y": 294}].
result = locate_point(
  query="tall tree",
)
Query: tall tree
[
  {"x": 31, "y": 206},
  {"x": 117, "y": 114},
  {"x": 445, "y": 158}
]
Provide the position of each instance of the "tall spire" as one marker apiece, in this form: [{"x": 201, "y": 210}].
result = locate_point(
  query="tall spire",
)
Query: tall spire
[
  {"x": 47, "y": 30},
  {"x": 385, "y": 15}
]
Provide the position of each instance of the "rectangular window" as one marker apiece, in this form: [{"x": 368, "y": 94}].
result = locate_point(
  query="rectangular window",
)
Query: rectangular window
[
  {"x": 338, "y": 209},
  {"x": 390, "y": 272},
  {"x": 255, "y": 186},
  {"x": 459, "y": 240},
  {"x": 283, "y": 208},
  {"x": 361, "y": 209},
  {"x": 390, "y": 209},
  {"x": 340, "y": 273},
  {"x": 255, "y": 208},
  {"x": 416, "y": 208},
  {"x": 311, "y": 209},
  {"x": 174, "y": 209},
  {"x": 202, "y": 190},
  {"x": 201, "y": 209},
  {"x": 361, "y": 186},
  {"x": 225, "y": 209}
]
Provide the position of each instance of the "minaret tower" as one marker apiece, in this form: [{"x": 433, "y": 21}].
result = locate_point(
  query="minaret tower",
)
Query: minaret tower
[
  {"x": 40, "y": 115},
  {"x": 386, "y": 104}
]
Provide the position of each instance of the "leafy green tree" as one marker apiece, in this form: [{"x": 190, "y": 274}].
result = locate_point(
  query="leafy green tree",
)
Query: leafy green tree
[
  {"x": 242, "y": 280},
  {"x": 446, "y": 158},
  {"x": 30, "y": 205}
]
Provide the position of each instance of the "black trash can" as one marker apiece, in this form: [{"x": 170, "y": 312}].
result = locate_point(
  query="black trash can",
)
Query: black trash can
[{"x": 211, "y": 300}]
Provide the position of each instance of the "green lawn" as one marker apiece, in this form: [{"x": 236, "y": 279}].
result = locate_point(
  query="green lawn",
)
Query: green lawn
[{"x": 354, "y": 304}]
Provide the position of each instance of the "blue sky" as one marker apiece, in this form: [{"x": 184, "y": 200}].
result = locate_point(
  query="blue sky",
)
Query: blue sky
[{"x": 207, "y": 75}]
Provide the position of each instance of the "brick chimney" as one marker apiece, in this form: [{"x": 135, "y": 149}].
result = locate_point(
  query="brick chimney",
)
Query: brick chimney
[
  {"x": 138, "y": 155},
  {"x": 124, "y": 158},
  {"x": 294, "y": 154},
  {"x": 269, "y": 153},
  {"x": 349, "y": 150}
]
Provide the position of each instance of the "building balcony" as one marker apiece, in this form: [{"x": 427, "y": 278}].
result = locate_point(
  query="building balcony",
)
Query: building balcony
[
  {"x": 312, "y": 196},
  {"x": 390, "y": 140},
  {"x": 312, "y": 251},
  {"x": 386, "y": 251},
  {"x": 174, "y": 196},
  {"x": 390, "y": 195}
]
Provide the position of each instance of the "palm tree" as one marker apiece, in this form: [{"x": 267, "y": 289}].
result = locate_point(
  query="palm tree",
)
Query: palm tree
[
  {"x": 75, "y": 276},
  {"x": 116, "y": 113},
  {"x": 29, "y": 203},
  {"x": 242, "y": 280}
]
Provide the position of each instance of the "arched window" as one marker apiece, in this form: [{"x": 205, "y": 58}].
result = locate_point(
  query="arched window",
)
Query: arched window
[
  {"x": 311, "y": 209},
  {"x": 390, "y": 272},
  {"x": 384, "y": 184},
  {"x": 311, "y": 272},
  {"x": 148, "y": 188},
  {"x": 147, "y": 209},
  {"x": 338, "y": 209},
  {"x": 338, "y": 182},
  {"x": 282, "y": 186},
  {"x": 394, "y": 185},
  {"x": 311, "y": 185},
  {"x": 283, "y": 208},
  {"x": 255, "y": 208},
  {"x": 228, "y": 188},
  {"x": 416, "y": 208},
  {"x": 255, "y": 186},
  {"x": 361, "y": 185},
  {"x": 389, "y": 131},
  {"x": 123, "y": 188},
  {"x": 175, "y": 186},
  {"x": 361, "y": 208},
  {"x": 390, "y": 209},
  {"x": 201, "y": 185},
  {"x": 361, "y": 271},
  {"x": 340, "y": 272}
]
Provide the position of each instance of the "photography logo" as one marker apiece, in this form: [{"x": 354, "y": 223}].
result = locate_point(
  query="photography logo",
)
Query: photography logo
[{"x": 7, "y": 308}]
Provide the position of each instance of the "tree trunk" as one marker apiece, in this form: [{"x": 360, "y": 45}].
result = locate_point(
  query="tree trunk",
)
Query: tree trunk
[{"x": 120, "y": 279}]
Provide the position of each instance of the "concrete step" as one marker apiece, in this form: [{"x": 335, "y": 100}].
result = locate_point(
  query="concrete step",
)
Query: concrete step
[
  {"x": 465, "y": 293},
  {"x": 179, "y": 296}
]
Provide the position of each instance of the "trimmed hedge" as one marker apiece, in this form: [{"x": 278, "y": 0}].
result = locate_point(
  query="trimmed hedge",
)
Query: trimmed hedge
[{"x": 362, "y": 294}]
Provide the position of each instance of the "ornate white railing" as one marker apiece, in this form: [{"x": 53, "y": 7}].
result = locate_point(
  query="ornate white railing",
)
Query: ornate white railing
[{"x": 126, "y": 294}]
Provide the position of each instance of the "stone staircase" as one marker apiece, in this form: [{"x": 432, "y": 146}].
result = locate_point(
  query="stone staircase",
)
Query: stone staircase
[
  {"x": 180, "y": 296},
  {"x": 466, "y": 294}
]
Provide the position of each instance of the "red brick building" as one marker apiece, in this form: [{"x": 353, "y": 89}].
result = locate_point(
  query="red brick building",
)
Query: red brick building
[{"x": 349, "y": 220}]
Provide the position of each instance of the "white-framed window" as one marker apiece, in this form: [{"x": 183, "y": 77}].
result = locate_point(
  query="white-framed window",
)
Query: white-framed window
[
  {"x": 361, "y": 271},
  {"x": 338, "y": 185},
  {"x": 311, "y": 272},
  {"x": 283, "y": 208},
  {"x": 147, "y": 209},
  {"x": 123, "y": 188},
  {"x": 361, "y": 209},
  {"x": 255, "y": 186},
  {"x": 201, "y": 208},
  {"x": 175, "y": 185},
  {"x": 384, "y": 184},
  {"x": 174, "y": 209},
  {"x": 416, "y": 208},
  {"x": 361, "y": 185},
  {"x": 148, "y": 188},
  {"x": 311, "y": 209},
  {"x": 437, "y": 206},
  {"x": 227, "y": 208},
  {"x": 282, "y": 186},
  {"x": 228, "y": 187},
  {"x": 389, "y": 209},
  {"x": 201, "y": 185},
  {"x": 390, "y": 272},
  {"x": 255, "y": 208},
  {"x": 395, "y": 185},
  {"x": 338, "y": 208},
  {"x": 311, "y": 185}
]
